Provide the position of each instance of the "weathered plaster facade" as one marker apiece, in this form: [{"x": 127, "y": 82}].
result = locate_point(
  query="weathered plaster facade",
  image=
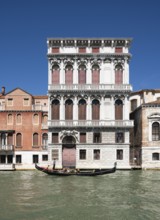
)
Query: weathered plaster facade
[{"x": 145, "y": 138}]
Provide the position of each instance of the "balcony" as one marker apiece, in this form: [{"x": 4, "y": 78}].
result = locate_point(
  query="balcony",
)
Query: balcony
[
  {"x": 90, "y": 123},
  {"x": 90, "y": 87},
  {"x": 6, "y": 148},
  {"x": 40, "y": 107}
]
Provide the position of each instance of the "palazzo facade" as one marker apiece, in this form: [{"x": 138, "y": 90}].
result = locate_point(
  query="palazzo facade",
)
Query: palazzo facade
[
  {"x": 88, "y": 99},
  {"x": 23, "y": 130}
]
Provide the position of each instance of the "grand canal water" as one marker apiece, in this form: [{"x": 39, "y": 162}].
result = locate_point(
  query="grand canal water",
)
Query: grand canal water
[{"x": 125, "y": 195}]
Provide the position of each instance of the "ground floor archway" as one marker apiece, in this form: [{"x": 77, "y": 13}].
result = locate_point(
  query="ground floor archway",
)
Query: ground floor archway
[{"x": 69, "y": 152}]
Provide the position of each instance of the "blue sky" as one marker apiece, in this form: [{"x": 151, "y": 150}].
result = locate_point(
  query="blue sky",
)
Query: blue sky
[{"x": 25, "y": 26}]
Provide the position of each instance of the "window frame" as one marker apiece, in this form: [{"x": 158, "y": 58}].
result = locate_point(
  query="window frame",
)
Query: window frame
[
  {"x": 95, "y": 156},
  {"x": 18, "y": 159},
  {"x": 156, "y": 131},
  {"x": 82, "y": 154},
  {"x": 155, "y": 156},
  {"x": 97, "y": 137},
  {"x": 119, "y": 154}
]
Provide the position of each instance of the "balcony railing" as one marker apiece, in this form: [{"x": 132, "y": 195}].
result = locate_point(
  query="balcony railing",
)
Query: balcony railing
[
  {"x": 91, "y": 87},
  {"x": 40, "y": 107},
  {"x": 6, "y": 148},
  {"x": 90, "y": 123}
]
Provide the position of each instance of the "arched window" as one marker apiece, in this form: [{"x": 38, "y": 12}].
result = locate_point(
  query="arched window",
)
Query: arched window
[
  {"x": 155, "y": 156},
  {"x": 55, "y": 109},
  {"x": 95, "y": 74},
  {"x": 155, "y": 131},
  {"x": 45, "y": 139},
  {"x": 10, "y": 139},
  {"x": 82, "y": 74},
  {"x": 69, "y": 109},
  {"x": 82, "y": 110},
  {"x": 10, "y": 119},
  {"x": 19, "y": 119},
  {"x": 45, "y": 119},
  {"x": 35, "y": 139},
  {"x": 35, "y": 119},
  {"x": 18, "y": 140},
  {"x": 69, "y": 74},
  {"x": 95, "y": 109},
  {"x": 55, "y": 74},
  {"x": 118, "y": 74},
  {"x": 118, "y": 110}
]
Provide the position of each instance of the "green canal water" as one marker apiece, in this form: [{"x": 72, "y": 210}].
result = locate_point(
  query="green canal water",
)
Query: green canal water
[{"x": 124, "y": 195}]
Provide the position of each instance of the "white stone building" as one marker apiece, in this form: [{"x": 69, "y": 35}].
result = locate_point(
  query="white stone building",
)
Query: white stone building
[
  {"x": 145, "y": 138},
  {"x": 88, "y": 92}
]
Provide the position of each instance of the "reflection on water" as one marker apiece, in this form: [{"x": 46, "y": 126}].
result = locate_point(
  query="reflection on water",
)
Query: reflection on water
[{"x": 124, "y": 195}]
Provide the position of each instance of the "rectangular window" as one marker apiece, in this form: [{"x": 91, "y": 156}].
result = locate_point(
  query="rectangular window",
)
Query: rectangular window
[
  {"x": 119, "y": 137},
  {"x": 82, "y": 137},
  {"x": 10, "y": 102},
  {"x": 55, "y": 50},
  {"x": 26, "y": 102},
  {"x": 35, "y": 158},
  {"x": 82, "y": 154},
  {"x": 18, "y": 159},
  {"x": 2, "y": 159},
  {"x": 82, "y": 50},
  {"x": 96, "y": 154},
  {"x": 96, "y": 137},
  {"x": 44, "y": 157},
  {"x": 119, "y": 154},
  {"x": 155, "y": 156},
  {"x": 118, "y": 50},
  {"x": 54, "y": 137},
  {"x": 10, "y": 158},
  {"x": 95, "y": 49},
  {"x": 55, "y": 154}
]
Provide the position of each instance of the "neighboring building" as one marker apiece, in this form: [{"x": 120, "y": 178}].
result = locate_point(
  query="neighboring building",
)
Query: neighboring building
[
  {"x": 145, "y": 137},
  {"x": 88, "y": 97},
  {"x": 23, "y": 130}
]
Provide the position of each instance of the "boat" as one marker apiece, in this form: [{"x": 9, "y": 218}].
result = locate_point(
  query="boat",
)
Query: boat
[{"x": 75, "y": 172}]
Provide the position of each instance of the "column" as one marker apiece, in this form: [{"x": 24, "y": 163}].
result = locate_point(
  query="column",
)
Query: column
[
  {"x": 89, "y": 109},
  {"x": 126, "y": 72},
  {"x": 75, "y": 108},
  {"x": 126, "y": 108},
  {"x": 88, "y": 73},
  {"x": 62, "y": 108},
  {"x": 75, "y": 72},
  {"x": 113, "y": 107},
  {"x": 62, "y": 72},
  {"x": 102, "y": 108}
]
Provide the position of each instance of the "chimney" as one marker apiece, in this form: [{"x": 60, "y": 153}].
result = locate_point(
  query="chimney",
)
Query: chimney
[{"x": 3, "y": 90}]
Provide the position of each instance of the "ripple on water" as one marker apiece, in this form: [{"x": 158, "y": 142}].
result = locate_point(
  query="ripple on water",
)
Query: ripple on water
[{"x": 124, "y": 195}]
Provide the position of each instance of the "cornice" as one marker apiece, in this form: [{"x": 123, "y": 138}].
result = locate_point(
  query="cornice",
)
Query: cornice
[
  {"x": 87, "y": 42},
  {"x": 89, "y": 55}
]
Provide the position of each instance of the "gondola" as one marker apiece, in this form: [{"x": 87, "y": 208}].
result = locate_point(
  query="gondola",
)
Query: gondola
[{"x": 68, "y": 172}]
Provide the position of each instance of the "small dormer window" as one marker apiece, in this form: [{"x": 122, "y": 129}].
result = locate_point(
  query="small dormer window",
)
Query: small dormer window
[
  {"x": 10, "y": 102},
  {"x": 26, "y": 101}
]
